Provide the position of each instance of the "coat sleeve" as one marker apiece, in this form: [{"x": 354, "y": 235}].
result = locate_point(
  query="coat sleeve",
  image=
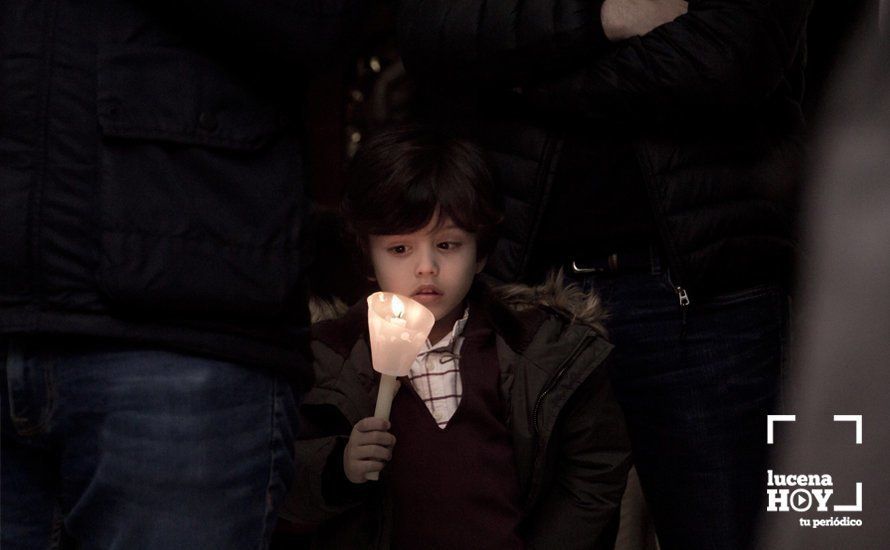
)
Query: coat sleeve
[
  {"x": 320, "y": 490},
  {"x": 580, "y": 508},
  {"x": 496, "y": 41},
  {"x": 722, "y": 53}
]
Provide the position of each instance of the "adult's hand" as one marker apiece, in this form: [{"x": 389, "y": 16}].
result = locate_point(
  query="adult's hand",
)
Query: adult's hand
[{"x": 626, "y": 18}]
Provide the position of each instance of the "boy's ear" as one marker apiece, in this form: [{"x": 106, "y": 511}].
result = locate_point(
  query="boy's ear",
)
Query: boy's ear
[{"x": 480, "y": 264}]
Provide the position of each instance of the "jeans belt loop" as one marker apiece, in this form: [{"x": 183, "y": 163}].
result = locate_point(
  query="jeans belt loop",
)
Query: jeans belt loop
[
  {"x": 615, "y": 262},
  {"x": 584, "y": 270}
]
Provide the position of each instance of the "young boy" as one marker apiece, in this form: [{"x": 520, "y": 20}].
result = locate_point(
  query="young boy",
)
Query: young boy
[{"x": 505, "y": 434}]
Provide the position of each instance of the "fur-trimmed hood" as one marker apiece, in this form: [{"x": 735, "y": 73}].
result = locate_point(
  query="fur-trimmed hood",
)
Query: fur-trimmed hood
[{"x": 567, "y": 301}]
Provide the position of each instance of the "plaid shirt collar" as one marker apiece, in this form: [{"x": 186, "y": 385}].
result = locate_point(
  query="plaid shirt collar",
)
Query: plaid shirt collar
[
  {"x": 435, "y": 374},
  {"x": 448, "y": 341}
]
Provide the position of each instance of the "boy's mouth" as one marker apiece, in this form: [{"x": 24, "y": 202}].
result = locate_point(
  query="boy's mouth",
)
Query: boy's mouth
[{"x": 426, "y": 292}]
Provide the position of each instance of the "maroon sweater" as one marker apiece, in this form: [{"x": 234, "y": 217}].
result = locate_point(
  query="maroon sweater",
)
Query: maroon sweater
[{"x": 456, "y": 487}]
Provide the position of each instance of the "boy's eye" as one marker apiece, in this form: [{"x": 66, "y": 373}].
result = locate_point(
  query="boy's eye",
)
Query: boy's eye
[
  {"x": 398, "y": 249},
  {"x": 449, "y": 245}
]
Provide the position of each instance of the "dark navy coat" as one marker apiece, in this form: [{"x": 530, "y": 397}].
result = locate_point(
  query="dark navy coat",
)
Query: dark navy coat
[{"x": 151, "y": 170}]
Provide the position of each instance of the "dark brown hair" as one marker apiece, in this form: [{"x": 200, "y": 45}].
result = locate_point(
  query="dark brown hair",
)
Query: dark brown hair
[{"x": 401, "y": 178}]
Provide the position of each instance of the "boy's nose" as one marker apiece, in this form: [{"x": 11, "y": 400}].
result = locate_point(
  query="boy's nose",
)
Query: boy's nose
[{"x": 426, "y": 265}]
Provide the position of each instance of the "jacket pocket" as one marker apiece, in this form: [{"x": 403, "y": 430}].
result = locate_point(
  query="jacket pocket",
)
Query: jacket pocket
[{"x": 200, "y": 188}]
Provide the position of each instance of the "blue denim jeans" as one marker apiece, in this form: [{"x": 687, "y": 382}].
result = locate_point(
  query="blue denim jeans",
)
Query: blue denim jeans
[
  {"x": 140, "y": 448},
  {"x": 696, "y": 387}
]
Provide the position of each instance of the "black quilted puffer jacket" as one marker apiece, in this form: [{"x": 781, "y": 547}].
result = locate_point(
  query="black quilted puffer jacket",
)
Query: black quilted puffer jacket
[
  {"x": 709, "y": 104},
  {"x": 151, "y": 174}
]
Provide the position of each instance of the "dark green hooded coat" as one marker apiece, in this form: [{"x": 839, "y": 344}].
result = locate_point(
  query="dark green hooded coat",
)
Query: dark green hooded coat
[{"x": 571, "y": 447}]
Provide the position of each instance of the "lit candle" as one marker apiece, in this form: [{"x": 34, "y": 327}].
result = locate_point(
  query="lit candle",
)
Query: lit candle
[
  {"x": 398, "y": 327},
  {"x": 398, "y": 312}
]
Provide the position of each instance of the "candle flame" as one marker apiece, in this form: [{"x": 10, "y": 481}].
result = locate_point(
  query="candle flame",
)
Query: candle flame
[{"x": 398, "y": 308}]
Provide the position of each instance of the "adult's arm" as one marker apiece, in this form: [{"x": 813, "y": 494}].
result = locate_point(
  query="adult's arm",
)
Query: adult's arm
[
  {"x": 508, "y": 41},
  {"x": 722, "y": 53},
  {"x": 496, "y": 41},
  {"x": 580, "y": 507}
]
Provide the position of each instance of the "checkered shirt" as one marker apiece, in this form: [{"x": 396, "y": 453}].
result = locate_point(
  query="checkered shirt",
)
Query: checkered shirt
[{"x": 435, "y": 374}]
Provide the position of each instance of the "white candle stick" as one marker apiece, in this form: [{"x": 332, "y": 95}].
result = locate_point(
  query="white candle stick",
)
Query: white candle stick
[
  {"x": 386, "y": 392},
  {"x": 398, "y": 327}
]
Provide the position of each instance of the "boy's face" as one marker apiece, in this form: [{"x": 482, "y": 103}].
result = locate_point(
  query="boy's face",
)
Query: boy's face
[{"x": 434, "y": 265}]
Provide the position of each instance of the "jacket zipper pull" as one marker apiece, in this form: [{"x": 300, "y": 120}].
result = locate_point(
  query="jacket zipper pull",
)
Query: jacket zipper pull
[{"x": 684, "y": 307}]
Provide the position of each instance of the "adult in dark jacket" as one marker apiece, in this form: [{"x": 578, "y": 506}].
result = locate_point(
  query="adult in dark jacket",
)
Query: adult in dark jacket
[
  {"x": 570, "y": 446},
  {"x": 150, "y": 297},
  {"x": 660, "y": 169}
]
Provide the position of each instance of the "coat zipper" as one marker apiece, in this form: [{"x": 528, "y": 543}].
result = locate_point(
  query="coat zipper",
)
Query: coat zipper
[
  {"x": 683, "y": 296},
  {"x": 684, "y": 300},
  {"x": 548, "y": 387},
  {"x": 561, "y": 371},
  {"x": 662, "y": 226}
]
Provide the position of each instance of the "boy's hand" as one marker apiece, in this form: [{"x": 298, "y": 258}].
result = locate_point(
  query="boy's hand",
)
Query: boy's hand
[{"x": 368, "y": 450}]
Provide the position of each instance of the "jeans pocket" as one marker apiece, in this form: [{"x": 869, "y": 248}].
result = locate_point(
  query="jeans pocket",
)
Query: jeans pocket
[
  {"x": 742, "y": 296},
  {"x": 282, "y": 453},
  {"x": 30, "y": 390}
]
